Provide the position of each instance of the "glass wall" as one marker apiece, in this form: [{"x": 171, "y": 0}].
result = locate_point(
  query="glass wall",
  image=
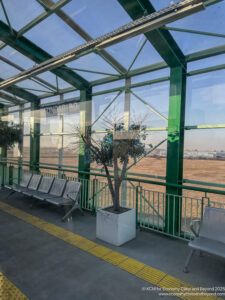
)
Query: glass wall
[{"x": 204, "y": 147}]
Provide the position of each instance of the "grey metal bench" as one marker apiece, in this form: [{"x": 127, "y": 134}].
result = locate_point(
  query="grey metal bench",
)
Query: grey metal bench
[
  {"x": 56, "y": 190},
  {"x": 210, "y": 235},
  {"x": 44, "y": 187},
  {"x": 32, "y": 186},
  {"x": 70, "y": 198},
  {"x": 25, "y": 180}
]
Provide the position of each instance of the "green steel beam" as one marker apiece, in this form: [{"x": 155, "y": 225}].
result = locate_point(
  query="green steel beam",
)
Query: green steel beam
[
  {"x": 35, "y": 137},
  {"x": 216, "y": 126},
  {"x": 206, "y": 70},
  {"x": 194, "y": 31},
  {"x": 175, "y": 147},
  {"x": 69, "y": 21},
  {"x": 6, "y": 16},
  {"x": 162, "y": 40},
  {"x": 18, "y": 91},
  {"x": 3, "y": 150},
  {"x": 211, "y": 2},
  {"x": 93, "y": 72},
  {"x": 29, "y": 49},
  {"x": 85, "y": 123},
  {"x": 205, "y": 53}
]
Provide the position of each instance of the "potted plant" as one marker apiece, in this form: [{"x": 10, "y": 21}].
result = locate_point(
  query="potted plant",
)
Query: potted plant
[{"x": 116, "y": 224}]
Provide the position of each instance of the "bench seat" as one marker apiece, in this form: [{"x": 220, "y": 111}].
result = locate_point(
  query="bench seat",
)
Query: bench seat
[
  {"x": 210, "y": 236},
  {"x": 209, "y": 246},
  {"x": 59, "y": 201}
]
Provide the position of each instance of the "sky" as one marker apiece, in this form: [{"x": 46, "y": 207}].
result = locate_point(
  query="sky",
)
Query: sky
[{"x": 205, "y": 93}]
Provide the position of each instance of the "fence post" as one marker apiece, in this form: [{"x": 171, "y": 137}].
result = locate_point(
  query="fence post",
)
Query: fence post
[
  {"x": 94, "y": 195},
  {"x": 136, "y": 205},
  {"x": 11, "y": 175},
  {"x": 19, "y": 170}
]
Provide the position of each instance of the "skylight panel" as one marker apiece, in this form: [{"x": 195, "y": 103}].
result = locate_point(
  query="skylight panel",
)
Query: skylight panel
[
  {"x": 54, "y": 36},
  {"x": 97, "y": 17},
  {"x": 16, "y": 57},
  {"x": 21, "y": 12}
]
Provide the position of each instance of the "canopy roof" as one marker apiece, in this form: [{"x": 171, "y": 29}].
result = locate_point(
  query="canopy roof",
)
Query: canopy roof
[{"x": 36, "y": 30}]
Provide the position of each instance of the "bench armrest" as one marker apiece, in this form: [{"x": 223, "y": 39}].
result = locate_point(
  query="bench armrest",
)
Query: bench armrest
[
  {"x": 69, "y": 195},
  {"x": 193, "y": 225}
]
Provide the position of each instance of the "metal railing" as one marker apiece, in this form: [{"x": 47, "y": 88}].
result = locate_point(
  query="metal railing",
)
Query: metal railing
[{"x": 152, "y": 209}]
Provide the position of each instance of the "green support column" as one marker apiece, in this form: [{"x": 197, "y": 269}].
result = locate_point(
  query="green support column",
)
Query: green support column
[
  {"x": 83, "y": 164},
  {"x": 3, "y": 150},
  {"x": 175, "y": 148},
  {"x": 35, "y": 137},
  {"x": 85, "y": 123}
]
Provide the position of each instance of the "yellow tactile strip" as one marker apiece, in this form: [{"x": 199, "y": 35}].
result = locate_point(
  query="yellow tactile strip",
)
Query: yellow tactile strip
[
  {"x": 8, "y": 291},
  {"x": 163, "y": 281}
]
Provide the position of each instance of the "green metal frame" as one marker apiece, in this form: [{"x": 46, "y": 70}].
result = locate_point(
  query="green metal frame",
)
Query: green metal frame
[
  {"x": 35, "y": 137},
  {"x": 175, "y": 146},
  {"x": 173, "y": 57},
  {"x": 85, "y": 123}
]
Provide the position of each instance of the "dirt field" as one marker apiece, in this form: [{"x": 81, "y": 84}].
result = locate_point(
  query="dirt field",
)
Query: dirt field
[{"x": 194, "y": 169}]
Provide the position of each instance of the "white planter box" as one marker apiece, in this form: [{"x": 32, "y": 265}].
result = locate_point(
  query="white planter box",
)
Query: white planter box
[{"x": 116, "y": 229}]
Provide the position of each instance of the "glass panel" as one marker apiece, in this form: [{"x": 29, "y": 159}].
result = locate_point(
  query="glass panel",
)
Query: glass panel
[
  {"x": 7, "y": 71},
  {"x": 71, "y": 122},
  {"x": 155, "y": 162},
  {"x": 190, "y": 43},
  {"x": 20, "y": 99},
  {"x": 113, "y": 114},
  {"x": 13, "y": 117},
  {"x": 54, "y": 36},
  {"x": 157, "y": 96},
  {"x": 49, "y": 149},
  {"x": 26, "y": 148},
  {"x": 71, "y": 95},
  {"x": 126, "y": 51},
  {"x": 151, "y": 75},
  {"x": 147, "y": 56},
  {"x": 50, "y": 99},
  {"x": 97, "y": 17},
  {"x": 199, "y": 21},
  {"x": 70, "y": 150},
  {"x": 16, "y": 57},
  {"x": 49, "y": 124},
  {"x": 92, "y": 62},
  {"x": 26, "y": 122},
  {"x": 27, "y": 105},
  {"x": 205, "y": 159},
  {"x": 13, "y": 152},
  {"x": 22, "y": 12},
  {"x": 108, "y": 86},
  {"x": 32, "y": 87},
  {"x": 205, "y": 99},
  {"x": 205, "y": 63}
]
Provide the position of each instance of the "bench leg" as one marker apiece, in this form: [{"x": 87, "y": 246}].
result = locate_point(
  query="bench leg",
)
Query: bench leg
[
  {"x": 10, "y": 194},
  {"x": 186, "y": 270},
  {"x": 76, "y": 205}
]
